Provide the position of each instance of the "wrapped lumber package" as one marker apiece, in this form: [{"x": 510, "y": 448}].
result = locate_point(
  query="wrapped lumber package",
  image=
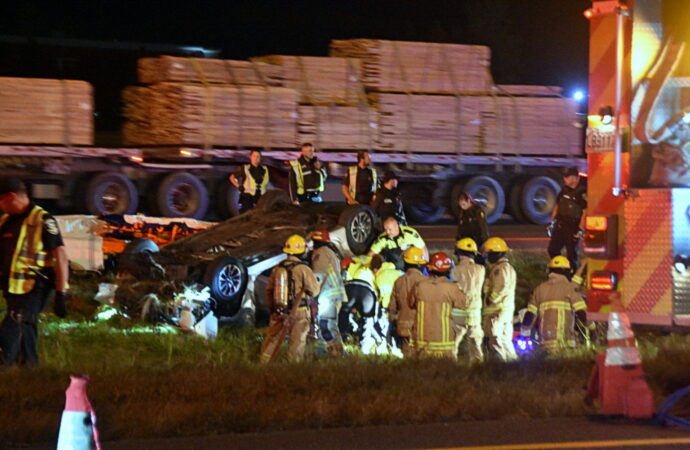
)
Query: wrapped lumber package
[
  {"x": 202, "y": 70},
  {"x": 337, "y": 127},
  {"x": 174, "y": 114},
  {"x": 477, "y": 124},
  {"x": 319, "y": 80},
  {"x": 529, "y": 90},
  {"x": 46, "y": 111},
  {"x": 419, "y": 67}
]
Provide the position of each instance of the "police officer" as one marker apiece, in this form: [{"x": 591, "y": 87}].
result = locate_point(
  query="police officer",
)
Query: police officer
[
  {"x": 251, "y": 180},
  {"x": 307, "y": 176},
  {"x": 557, "y": 302},
  {"x": 470, "y": 279},
  {"x": 33, "y": 262},
  {"x": 471, "y": 220},
  {"x": 568, "y": 217},
  {"x": 400, "y": 313},
  {"x": 360, "y": 181},
  {"x": 289, "y": 285},
  {"x": 387, "y": 202},
  {"x": 499, "y": 299},
  {"x": 434, "y": 299},
  {"x": 394, "y": 240}
]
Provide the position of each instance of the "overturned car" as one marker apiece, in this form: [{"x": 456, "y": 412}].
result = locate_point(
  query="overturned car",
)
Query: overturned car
[{"x": 233, "y": 257}]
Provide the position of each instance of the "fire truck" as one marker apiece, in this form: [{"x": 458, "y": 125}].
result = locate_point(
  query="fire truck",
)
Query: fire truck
[{"x": 637, "y": 237}]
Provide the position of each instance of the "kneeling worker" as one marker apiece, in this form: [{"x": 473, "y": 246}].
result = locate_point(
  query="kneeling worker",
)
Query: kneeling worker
[
  {"x": 286, "y": 295},
  {"x": 434, "y": 299},
  {"x": 394, "y": 240},
  {"x": 558, "y": 303},
  {"x": 469, "y": 277},
  {"x": 400, "y": 313}
]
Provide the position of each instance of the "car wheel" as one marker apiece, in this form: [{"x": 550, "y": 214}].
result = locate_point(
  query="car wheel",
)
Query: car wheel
[
  {"x": 181, "y": 194},
  {"x": 539, "y": 198},
  {"x": 488, "y": 194},
  {"x": 359, "y": 224},
  {"x": 111, "y": 193},
  {"x": 226, "y": 277},
  {"x": 140, "y": 246}
]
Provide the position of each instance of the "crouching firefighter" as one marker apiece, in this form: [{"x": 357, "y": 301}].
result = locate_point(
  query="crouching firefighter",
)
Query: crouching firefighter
[
  {"x": 434, "y": 299},
  {"x": 325, "y": 262},
  {"x": 287, "y": 290},
  {"x": 399, "y": 311},
  {"x": 558, "y": 303}
]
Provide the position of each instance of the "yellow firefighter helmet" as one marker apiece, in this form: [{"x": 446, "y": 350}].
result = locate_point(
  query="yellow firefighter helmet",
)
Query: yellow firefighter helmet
[
  {"x": 559, "y": 262},
  {"x": 414, "y": 255},
  {"x": 295, "y": 245},
  {"x": 466, "y": 244},
  {"x": 495, "y": 244}
]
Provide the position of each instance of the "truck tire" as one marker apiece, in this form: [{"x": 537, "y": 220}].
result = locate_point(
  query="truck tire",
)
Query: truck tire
[
  {"x": 227, "y": 199},
  {"x": 489, "y": 194},
  {"x": 181, "y": 194},
  {"x": 418, "y": 204},
  {"x": 538, "y": 199},
  {"x": 359, "y": 222},
  {"x": 513, "y": 207},
  {"x": 455, "y": 192},
  {"x": 111, "y": 193},
  {"x": 226, "y": 277},
  {"x": 273, "y": 200}
]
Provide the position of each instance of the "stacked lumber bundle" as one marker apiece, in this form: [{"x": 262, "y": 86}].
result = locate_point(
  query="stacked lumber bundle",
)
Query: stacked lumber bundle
[
  {"x": 528, "y": 89},
  {"x": 337, "y": 127},
  {"x": 173, "y": 114},
  {"x": 419, "y": 67},
  {"x": 45, "y": 111},
  {"x": 319, "y": 80},
  {"x": 202, "y": 70},
  {"x": 476, "y": 124}
]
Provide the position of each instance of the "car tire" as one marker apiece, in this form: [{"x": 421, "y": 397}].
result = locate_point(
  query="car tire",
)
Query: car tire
[
  {"x": 273, "y": 200},
  {"x": 489, "y": 194},
  {"x": 538, "y": 198},
  {"x": 140, "y": 246},
  {"x": 111, "y": 193},
  {"x": 226, "y": 277},
  {"x": 227, "y": 199},
  {"x": 359, "y": 222},
  {"x": 181, "y": 194}
]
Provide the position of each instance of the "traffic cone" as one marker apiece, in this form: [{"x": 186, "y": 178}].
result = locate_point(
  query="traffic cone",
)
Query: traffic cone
[
  {"x": 617, "y": 379},
  {"x": 78, "y": 425}
]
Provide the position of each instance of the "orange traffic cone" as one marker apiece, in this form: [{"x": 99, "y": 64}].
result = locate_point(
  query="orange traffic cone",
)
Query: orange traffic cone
[
  {"x": 78, "y": 425},
  {"x": 617, "y": 379}
]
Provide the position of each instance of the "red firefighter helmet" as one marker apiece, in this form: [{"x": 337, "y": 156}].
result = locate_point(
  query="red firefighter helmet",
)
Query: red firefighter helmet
[
  {"x": 321, "y": 235},
  {"x": 440, "y": 262}
]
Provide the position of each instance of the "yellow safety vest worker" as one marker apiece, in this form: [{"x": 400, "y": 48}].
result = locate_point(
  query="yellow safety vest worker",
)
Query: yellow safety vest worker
[
  {"x": 359, "y": 270},
  {"x": 352, "y": 175},
  {"x": 385, "y": 279},
  {"x": 299, "y": 177},
  {"x": 250, "y": 183},
  {"x": 28, "y": 253}
]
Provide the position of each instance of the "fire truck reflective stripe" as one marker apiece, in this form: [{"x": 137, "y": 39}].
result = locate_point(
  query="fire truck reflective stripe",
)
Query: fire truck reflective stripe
[{"x": 656, "y": 288}]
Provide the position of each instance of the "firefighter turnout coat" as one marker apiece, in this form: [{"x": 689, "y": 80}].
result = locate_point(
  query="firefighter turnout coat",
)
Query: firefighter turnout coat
[
  {"x": 399, "y": 306},
  {"x": 433, "y": 300},
  {"x": 555, "y": 302},
  {"x": 469, "y": 277},
  {"x": 326, "y": 266},
  {"x": 499, "y": 307}
]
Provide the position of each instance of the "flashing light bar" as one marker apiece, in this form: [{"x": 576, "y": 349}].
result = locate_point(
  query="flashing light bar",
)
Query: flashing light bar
[{"x": 603, "y": 280}]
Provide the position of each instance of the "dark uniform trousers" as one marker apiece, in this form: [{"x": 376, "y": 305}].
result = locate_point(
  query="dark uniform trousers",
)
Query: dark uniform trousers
[
  {"x": 18, "y": 331},
  {"x": 565, "y": 234},
  {"x": 248, "y": 201}
]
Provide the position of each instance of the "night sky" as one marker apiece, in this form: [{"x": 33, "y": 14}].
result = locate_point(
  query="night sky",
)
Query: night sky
[{"x": 533, "y": 41}]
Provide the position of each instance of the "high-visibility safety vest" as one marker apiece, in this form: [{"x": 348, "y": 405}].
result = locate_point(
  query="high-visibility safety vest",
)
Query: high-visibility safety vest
[
  {"x": 28, "y": 253},
  {"x": 250, "y": 182},
  {"x": 352, "y": 175},
  {"x": 299, "y": 177}
]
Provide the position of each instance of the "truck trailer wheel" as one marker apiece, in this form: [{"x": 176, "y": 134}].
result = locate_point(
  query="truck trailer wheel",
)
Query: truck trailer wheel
[
  {"x": 539, "y": 198},
  {"x": 226, "y": 277},
  {"x": 419, "y": 205},
  {"x": 489, "y": 194},
  {"x": 181, "y": 194},
  {"x": 514, "y": 207},
  {"x": 111, "y": 193},
  {"x": 227, "y": 199},
  {"x": 358, "y": 221}
]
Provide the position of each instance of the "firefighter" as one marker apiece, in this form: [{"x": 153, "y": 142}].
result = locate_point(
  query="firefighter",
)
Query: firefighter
[
  {"x": 394, "y": 240},
  {"x": 387, "y": 202},
  {"x": 471, "y": 220},
  {"x": 499, "y": 299},
  {"x": 307, "y": 177},
  {"x": 33, "y": 263},
  {"x": 362, "y": 298},
  {"x": 567, "y": 220},
  {"x": 360, "y": 181},
  {"x": 251, "y": 180},
  {"x": 399, "y": 311},
  {"x": 325, "y": 262},
  {"x": 558, "y": 303},
  {"x": 470, "y": 279},
  {"x": 433, "y": 299},
  {"x": 384, "y": 280},
  {"x": 289, "y": 285}
]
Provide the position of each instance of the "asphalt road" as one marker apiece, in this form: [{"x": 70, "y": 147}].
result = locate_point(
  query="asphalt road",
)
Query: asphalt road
[
  {"x": 517, "y": 236},
  {"x": 516, "y": 434}
]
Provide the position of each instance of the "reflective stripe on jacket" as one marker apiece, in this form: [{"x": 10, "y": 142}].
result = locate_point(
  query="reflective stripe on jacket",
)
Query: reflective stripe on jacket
[
  {"x": 385, "y": 279},
  {"x": 28, "y": 253},
  {"x": 399, "y": 306},
  {"x": 352, "y": 176},
  {"x": 499, "y": 290},
  {"x": 469, "y": 276},
  {"x": 250, "y": 183}
]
